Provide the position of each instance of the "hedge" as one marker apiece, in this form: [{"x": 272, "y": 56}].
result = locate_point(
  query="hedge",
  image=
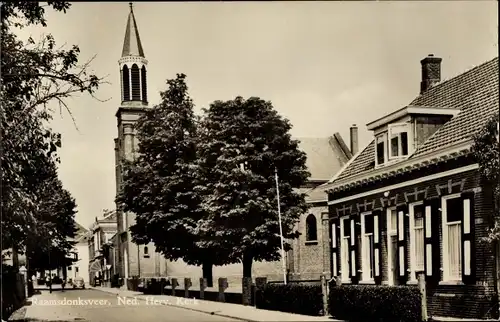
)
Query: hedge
[
  {"x": 291, "y": 298},
  {"x": 375, "y": 303}
]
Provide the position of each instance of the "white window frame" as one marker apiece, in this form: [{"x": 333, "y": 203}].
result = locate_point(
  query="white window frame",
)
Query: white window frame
[
  {"x": 344, "y": 269},
  {"x": 391, "y": 232},
  {"x": 382, "y": 136},
  {"x": 444, "y": 249},
  {"x": 365, "y": 261},
  {"x": 400, "y": 146},
  {"x": 413, "y": 252}
]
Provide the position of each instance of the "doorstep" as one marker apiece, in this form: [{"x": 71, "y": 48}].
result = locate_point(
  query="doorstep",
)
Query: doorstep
[{"x": 228, "y": 310}]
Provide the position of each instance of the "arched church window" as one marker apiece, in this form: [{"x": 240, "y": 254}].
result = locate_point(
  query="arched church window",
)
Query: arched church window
[
  {"x": 146, "y": 251},
  {"x": 136, "y": 85},
  {"x": 311, "y": 228},
  {"x": 126, "y": 83},
  {"x": 144, "y": 85}
]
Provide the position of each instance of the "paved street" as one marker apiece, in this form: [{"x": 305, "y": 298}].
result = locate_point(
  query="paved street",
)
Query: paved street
[{"x": 97, "y": 306}]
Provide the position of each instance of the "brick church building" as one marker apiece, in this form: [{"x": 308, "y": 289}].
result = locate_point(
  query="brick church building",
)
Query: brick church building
[{"x": 325, "y": 156}]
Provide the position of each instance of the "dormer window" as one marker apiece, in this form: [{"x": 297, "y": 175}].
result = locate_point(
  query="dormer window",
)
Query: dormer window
[
  {"x": 392, "y": 144},
  {"x": 398, "y": 134}
]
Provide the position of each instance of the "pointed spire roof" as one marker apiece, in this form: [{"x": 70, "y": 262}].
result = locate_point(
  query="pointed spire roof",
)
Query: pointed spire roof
[{"x": 132, "y": 44}]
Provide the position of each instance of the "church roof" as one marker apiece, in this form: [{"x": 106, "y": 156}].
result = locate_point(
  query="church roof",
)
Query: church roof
[
  {"x": 325, "y": 156},
  {"x": 132, "y": 45}
]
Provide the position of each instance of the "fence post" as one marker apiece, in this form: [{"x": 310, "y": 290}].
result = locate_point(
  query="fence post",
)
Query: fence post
[
  {"x": 423, "y": 293},
  {"x": 222, "y": 287},
  {"x": 203, "y": 286},
  {"x": 174, "y": 285},
  {"x": 324, "y": 288},
  {"x": 187, "y": 285},
  {"x": 260, "y": 284}
]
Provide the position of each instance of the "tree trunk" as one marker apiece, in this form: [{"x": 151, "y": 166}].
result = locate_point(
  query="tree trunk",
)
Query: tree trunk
[
  {"x": 247, "y": 264},
  {"x": 207, "y": 273}
]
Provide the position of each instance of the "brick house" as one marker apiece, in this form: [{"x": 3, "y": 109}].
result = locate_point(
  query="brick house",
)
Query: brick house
[{"x": 414, "y": 199}]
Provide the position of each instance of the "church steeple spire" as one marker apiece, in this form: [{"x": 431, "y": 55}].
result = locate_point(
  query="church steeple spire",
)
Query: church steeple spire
[
  {"x": 133, "y": 66},
  {"x": 132, "y": 44}
]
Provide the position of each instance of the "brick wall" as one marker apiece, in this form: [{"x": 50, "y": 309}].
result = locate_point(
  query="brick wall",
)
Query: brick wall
[
  {"x": 467, "y": 301},
  {"x": 308, "y": 255}
]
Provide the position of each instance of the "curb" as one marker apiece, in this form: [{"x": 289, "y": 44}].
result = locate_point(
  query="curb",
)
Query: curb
[{"x": 187, "y": 308}]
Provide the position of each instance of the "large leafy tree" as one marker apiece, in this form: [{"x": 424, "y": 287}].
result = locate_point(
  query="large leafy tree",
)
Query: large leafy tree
[
  {"x": 486, "y": 149},
  {"x": 158, "y": 186},
  {"x": 241, "y": 144},
  {"x": 34, "y": 75}
]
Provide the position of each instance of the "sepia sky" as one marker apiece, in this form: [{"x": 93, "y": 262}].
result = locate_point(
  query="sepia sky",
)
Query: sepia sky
[{"x": 324, "y": 65}]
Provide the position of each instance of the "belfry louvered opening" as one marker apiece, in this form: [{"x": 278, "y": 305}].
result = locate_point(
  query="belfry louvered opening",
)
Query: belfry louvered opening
[
  {"x": 144, "y": 85},
  {"x": 125, "y": 84},
  {"x": 136, "y": 83}
]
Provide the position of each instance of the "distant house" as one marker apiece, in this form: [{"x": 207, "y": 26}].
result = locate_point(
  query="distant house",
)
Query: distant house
[
  {"x": 80, "y": 267},
  {"x": 413, "y": 201},
  {"x": 100, "y": 246}
]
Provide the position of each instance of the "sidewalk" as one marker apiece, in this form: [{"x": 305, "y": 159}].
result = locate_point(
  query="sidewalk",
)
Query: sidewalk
[{"x": 228, "y": 310}]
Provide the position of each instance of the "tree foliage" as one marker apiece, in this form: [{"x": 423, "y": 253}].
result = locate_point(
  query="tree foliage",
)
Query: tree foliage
[
  {"x": 34, "y": 75},
  {"x": 486, "y": 149},
  {"x": 241, "y": 204},
  {"x": 158, "y": 186}
]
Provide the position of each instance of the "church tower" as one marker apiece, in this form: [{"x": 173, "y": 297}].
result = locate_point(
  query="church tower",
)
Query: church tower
[{"x": 133, "y": 259}]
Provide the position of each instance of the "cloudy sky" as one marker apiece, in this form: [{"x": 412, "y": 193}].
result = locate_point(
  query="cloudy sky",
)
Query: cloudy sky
[{"x": 324, "y": 65}]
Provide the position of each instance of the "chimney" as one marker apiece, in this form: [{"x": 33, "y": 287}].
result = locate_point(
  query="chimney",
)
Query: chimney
[
  {"x": 354, "y": 139},
  {"x": 431, "y": 72}
]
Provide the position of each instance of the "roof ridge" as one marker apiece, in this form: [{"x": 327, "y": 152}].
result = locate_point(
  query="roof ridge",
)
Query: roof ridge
[{"x": 444, "y": 81}]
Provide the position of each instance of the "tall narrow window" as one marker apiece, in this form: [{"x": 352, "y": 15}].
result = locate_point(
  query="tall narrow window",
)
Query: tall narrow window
[
  {"x": 146, "y": 251},
  {"x": 345, "y": 234},
  {"x": 144, "y": 85},
  {"x": 126, "y": 83},
  {"x": 311, "y": 228},
  {"x": 367, "y": 247},
  {"x": 417, "y": 239},
  {"x": 136, "y": 85},
  {"x": 452, "y": 244},
  {"x": 392, "y": 246}
]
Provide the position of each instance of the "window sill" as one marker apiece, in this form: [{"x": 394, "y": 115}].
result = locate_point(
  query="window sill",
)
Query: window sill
[
  {"x": 412, "y": 282},
  {"x": 369, "y": 282},
  {"x": 451, "y": 282},
  {"x": 311, "y": 242}
]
